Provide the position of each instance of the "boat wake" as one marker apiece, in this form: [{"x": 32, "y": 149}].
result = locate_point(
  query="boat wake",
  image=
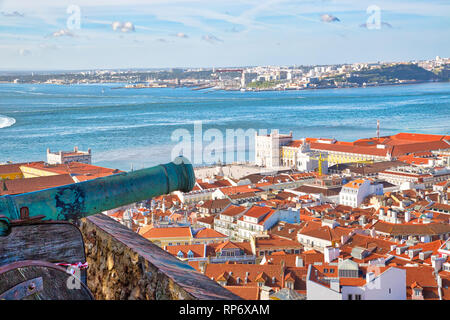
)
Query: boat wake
[{"x": 6, "y": 121}]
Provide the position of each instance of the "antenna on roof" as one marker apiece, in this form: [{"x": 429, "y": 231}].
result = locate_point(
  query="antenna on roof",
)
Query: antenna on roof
[{"x": 378, "y": 129}]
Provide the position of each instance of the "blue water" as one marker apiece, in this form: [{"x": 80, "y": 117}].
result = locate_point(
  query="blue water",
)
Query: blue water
[{"x": 127, "y": 127}]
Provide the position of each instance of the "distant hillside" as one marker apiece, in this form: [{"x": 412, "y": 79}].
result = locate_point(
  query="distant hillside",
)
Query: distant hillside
[{"x": 389, "y": 74}]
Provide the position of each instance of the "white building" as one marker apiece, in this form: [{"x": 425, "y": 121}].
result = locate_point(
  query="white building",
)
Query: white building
[
  {"x": 226, "y": 221},
  {"x": 268, "y": 147},
  {"x": 353, "y": 193},
  {"x": 254, "y": 222},
  {"x": 345, "y": 281},
  {"x": 302, "y": 158},
  {"x": 195, "y": 196},
  {"x": 62, "y": 157},
  {"x": 247, "y": 77},
  {"x": 415, "y": 176}
]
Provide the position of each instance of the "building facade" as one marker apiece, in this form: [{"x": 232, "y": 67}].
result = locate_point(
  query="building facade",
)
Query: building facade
[{"x": 62, "y": 157}]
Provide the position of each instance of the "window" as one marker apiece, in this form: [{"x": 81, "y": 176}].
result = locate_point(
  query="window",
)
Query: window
[
  {"x": 325, "y": 270},
  {"x": 350, "y": 297},
  {"x": 357, "y": 297},
  {"x": 390, "y": 290}
]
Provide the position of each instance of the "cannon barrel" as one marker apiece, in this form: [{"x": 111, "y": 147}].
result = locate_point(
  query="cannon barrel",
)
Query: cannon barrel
[{"x": 86, "y": 198}]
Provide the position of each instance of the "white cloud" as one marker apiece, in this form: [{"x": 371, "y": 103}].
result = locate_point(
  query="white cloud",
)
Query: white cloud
[
  {"x": 123, "y": 26},
  {"x": 329, "y": 18},
  {"x": 24, "y": 52},
  {"x": 62, "y": 32},
  {"x": 211, "y": 39},
  {"x": 12, "y": 14}
]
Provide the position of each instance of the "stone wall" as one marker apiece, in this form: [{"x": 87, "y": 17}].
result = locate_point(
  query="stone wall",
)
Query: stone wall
[{"x": 124, "y": 265}]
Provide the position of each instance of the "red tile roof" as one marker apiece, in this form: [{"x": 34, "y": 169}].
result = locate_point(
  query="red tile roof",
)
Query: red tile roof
[
  {"x": 253, "y": 272},
  {"x": 430, "y": 229},
  {"x": 14, "y": 167},
  {"x": 238, "y": 189},
  {"x": 246, "y": 293},
  {"x": 169, "y": 232},
  {"x": 199, "y": 250},
  {"x": 257, "y": 211},
  {"x": 18, "y": 186},
  {"x": 209, "y": 233},
  {"x": 312, "y": 229},
  {"x": 274, "y": 242},
  {"x": 233, "y": 210},
  {"x": 81, "y": 171},
  {"x": 244, "y": 246}
]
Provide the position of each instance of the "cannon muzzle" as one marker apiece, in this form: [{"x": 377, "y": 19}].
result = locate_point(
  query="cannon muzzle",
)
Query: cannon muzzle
[{"x": 86, "y": 198}]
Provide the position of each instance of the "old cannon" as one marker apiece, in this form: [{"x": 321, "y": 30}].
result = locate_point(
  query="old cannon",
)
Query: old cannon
[{"x": 42, "y": 250}]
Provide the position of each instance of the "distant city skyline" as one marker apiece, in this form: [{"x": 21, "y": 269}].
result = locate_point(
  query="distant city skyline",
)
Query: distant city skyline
[{"x": 80, "y": 35}]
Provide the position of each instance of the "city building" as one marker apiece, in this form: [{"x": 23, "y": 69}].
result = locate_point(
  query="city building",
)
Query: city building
[
  {"x": 167, "y": 236},
  {"x": 9, "y": 171},
  {"x": 268, "y": 148},
  {"x": 387, "y": 148},
  {"x": 298, "y": 155},
  {"x": 62, "y": 157},
  {"x": 354, "y": 192},
  {"x": 78, "y": 171},
  {"x": 347, "y": 280}
]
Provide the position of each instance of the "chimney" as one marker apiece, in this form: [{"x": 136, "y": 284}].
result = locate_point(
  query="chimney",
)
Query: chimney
[
  {"x": 400, "y": 250},
  {"x": 407, "y": 216},
  {"x": 439, "y": 281},
  {"x": 344, "y": 239},
  {"x": 378, "y": 129},
  {"x": 334, "y": 285},
  {"x": 437, "y": 262},
  {"x": 413, "y": 252},
  {"x": 394, "y": 214},
  {"x": 425, "y": 255},
  {"x": 299, "y": 262},
  {"x": 202, "y": 267},
  {"x": 370, "y": 276},
  {"x": 330, "y": 254}
]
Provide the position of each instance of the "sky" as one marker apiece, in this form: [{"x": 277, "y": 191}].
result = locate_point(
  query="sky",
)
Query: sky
[{"x": 100, "y": 34}]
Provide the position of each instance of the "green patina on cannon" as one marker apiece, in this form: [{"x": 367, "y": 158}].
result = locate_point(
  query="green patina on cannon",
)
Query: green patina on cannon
[
  {"x": 36, "y": 230},
  {"x": 78, "y": 200}
]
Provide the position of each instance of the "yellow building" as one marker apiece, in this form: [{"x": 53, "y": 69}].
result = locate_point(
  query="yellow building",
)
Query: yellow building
[
  {"x": 10, "y": 171},
  {"x": 30, "y": 171},
  {"x": 167, "y": 236}
]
